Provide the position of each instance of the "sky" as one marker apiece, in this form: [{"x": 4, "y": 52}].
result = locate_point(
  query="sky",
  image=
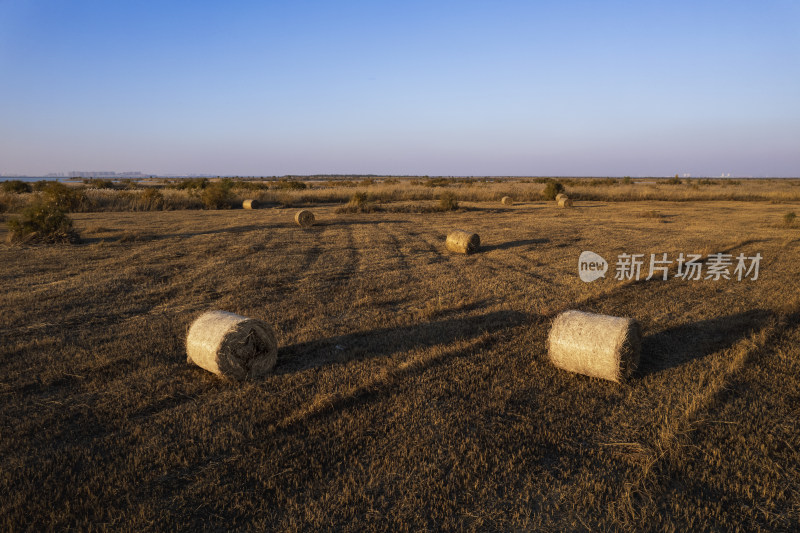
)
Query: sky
[{"x": 522, "y": 88}]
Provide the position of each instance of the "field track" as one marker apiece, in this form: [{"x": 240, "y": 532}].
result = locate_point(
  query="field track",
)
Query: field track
[{"x": 412, "y": 389}]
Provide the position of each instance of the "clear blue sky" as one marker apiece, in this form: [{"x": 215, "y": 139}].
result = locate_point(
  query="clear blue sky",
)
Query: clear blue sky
[{"x": 439, "y": 88}]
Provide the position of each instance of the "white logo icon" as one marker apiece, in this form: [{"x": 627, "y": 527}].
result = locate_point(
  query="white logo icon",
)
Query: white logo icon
[{"x": 591, "y": 266}]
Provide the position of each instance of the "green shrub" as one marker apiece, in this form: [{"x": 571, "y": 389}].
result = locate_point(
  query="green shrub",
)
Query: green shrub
[
  {"x": 43, "y": 221},
  {"x": 448, "y": 201},
  {"x": 627, "y": 180},
  {"x": 218, "y": 195},
  {"x": 16, "y": 186},
  {"x": 552, "y": 189},
  {"x": 674, "y": 181},
  {"x": 788, "y": 218}
]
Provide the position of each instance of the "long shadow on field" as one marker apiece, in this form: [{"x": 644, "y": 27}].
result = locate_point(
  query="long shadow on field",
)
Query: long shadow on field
[
  {"x": 675, "y": 346},
  {"x": 386, "y": 341},
  {"x": 360, "y": 222},
  {"x": 514, "y": 244},
  {"x": 132, "y": 236}
]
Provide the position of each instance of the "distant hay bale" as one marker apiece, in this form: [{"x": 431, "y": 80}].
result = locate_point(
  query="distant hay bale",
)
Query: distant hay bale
[
  {"x": 601, "y": 346},
  {"x": 304, "y": 218},
  {"x": 561, "y": 195},
  {"x": 232, "y": 345},
  {"x": 565, "y": 203},
  {"x": 506, "y": 200},
  {"x": 250, "y": 204},
  {"x": 463, "y": 242}
]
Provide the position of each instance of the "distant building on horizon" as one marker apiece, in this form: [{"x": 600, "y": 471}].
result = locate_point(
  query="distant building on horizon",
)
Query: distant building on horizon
[{"x": 102, "y": 174}]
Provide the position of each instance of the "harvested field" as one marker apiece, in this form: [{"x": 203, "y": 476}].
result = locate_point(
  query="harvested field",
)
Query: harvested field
[{"x": 412, "y": 389}]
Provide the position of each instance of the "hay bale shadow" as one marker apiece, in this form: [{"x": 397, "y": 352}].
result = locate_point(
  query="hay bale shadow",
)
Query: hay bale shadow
[
  {"x": 383, "y": 342},
  {"x": 678, "y": 345},
  {"x": 514, "y": 244}
]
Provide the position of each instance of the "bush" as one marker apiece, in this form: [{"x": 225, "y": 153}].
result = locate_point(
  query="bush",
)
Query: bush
[
  {"x": 251, "y": 185},
  {"x": 96, "y": 183},
  {"x": 602, "y": 181},
  {"x": 43, "y": 221},
  {"x": 191, "y": 183},
  {"x": 788, "y": 218},
  {"x": 218, "y": 195},
  {"x": 16, "y": 186},
  {"x": 674, "y": 181},
  {"x": 70, "y": 199},
  {"x": 150, "y": 200},
  {"x": 627, "y": 180},
  {"x": 448, "y": 202},
  {"x": 128, "y": 183},
  {"x": 437, "y": 182},
  {"x": 359, "y": 199},
  {"x": 552, "y": 189},
  {"x": 341, "y": 183},
  {"x": 358, "y": 203},
  {"x": 289, "y": 184}
]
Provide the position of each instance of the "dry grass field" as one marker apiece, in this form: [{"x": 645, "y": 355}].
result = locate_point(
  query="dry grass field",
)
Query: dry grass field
[{"x": 412, "y": 389}]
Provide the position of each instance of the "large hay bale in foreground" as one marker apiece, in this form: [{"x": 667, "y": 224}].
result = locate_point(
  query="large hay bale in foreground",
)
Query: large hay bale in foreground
[
  {"x": 601, "y": 346},
  {"x": 232, "y": 345},
  {"x": 304, "y": 218},
  {"x": 561, "y": 195},
  {"x": 506, "y": 200},
  {"x": 250, "y": 204},
  {"x": 565, "y": 203},
  {"x": 463, "y": 242}
]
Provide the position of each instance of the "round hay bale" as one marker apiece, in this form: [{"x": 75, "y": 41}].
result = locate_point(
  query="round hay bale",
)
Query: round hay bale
[
  {"x": 250, "y": 204},
  {"x": 601, "y": 346},
  {"x": 232, "y": 345},
  {"x": 565, "y": 203},
  {"x": 463, "y": 242},
  {"x": 506, "y": 200},
  {"x": 304, "y": 218},
  {"x": 561, "y": 195}
]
